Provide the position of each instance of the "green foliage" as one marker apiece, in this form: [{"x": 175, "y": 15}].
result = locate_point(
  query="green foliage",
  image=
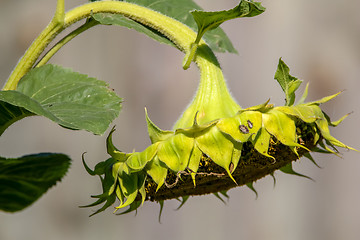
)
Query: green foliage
[
  {"x": 70, "y": 99},
  {"x": 23, "y": 180}
]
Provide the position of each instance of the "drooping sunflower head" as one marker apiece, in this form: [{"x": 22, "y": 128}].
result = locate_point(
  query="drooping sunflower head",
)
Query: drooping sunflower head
[{"x": 217, "y": 155}]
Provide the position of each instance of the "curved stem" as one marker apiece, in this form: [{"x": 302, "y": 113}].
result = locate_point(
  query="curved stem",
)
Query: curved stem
[
  {"x": 65, "y": 40},
  {"x": 212, "y": 99},
  {"x": 37, "y": 47}
]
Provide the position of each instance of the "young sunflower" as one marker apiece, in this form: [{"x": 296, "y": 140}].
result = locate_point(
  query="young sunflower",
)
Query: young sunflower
[{"x": 215, "y": 145}]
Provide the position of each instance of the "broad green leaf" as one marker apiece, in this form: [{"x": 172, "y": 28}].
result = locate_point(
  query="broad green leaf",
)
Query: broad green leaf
[
  {"x": 288, "y": 83},
  {"x": 179, "y": 10},
  {"x": 23, "y": 180},
  {"x": 10, "y": 114},
  {"x": 68, "y": 98}
]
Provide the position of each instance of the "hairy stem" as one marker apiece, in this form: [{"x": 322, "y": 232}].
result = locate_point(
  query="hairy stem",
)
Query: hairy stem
[
  {"x": 65, "y": 40},
  {"x": 37, "y": 47},
  {"x": 212, "y": 89}
]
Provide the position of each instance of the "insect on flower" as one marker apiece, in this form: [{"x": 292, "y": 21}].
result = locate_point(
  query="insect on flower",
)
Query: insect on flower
[{"x": 244, "y": 129}]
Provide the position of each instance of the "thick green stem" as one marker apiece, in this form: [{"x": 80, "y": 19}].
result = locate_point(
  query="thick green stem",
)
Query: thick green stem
[
  {"x": 212, "y": 99},
  {"x": 37, "y": 47}
]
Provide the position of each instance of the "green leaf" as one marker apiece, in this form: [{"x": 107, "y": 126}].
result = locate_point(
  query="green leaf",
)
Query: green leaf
[
  {"x": 10, "y": 114},
  {"x": 210, "y": 20},
  {"x": 288, "y": 83},
  {"x": 207, "y": 21},
  {"x": 23, "y": 180},
  {"x": 179, "y": 10},
  {"x": 68, "y": 98}
]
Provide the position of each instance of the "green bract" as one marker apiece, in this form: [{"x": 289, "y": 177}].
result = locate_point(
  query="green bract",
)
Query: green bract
[{"x": 179, "y": 153}]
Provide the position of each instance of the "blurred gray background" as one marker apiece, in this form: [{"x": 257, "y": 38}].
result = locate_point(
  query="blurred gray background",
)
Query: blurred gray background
[{"x": 318, "y": 39}]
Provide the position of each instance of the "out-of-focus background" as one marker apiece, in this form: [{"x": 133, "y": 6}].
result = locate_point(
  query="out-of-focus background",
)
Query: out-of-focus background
[{"x": 318, "y": 39}]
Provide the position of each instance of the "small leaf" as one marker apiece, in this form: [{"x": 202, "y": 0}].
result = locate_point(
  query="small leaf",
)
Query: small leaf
[
  {"x": 288, "y": 83},
  {"x": 207, "y": 21},
  {"x": 24, "y": 180},
  {"x": 68, "y": 98}
]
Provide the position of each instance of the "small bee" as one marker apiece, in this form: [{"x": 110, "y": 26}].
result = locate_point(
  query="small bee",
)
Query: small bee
[
  {"x": 243, "y": 129},
  {"x": 250, "y": 124}
]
